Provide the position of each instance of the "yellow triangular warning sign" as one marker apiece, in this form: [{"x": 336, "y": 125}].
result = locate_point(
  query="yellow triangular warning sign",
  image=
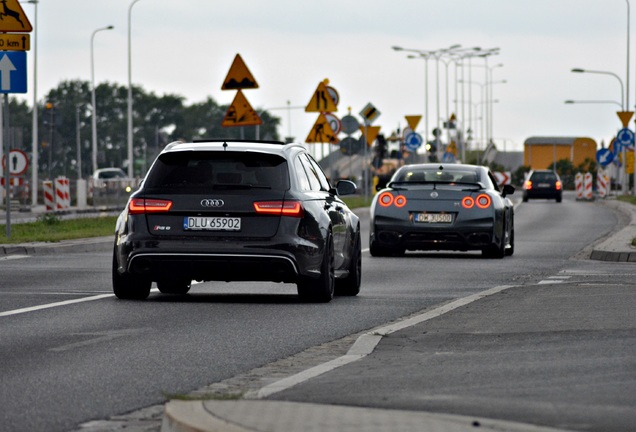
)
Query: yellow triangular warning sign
[
  {"x": 321, "y": 101},
  {"x": 239, "y": 76},
  {"x": 322, "y": 132},
  {"x": 625, "y": 117},
  {"x": 13, "y": 18},
  {"x": 241, "y": 113},
  {"x": 413, "y": 121},
  {"x": 370, "y": 133}
]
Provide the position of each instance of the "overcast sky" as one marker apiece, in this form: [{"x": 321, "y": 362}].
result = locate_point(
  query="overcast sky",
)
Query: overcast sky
[{"x": 186, "y": 48}]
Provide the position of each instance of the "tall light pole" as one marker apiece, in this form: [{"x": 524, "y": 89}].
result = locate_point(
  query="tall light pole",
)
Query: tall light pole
[
  {"x": 94, "y": 116},
  {"x": 130, "y": 99},
  {"x": 579, "y": 70},
  {"x": 569, "y": 102},
  {"x": 436, "y": 55},
  {"x": 34, "y": 141}
]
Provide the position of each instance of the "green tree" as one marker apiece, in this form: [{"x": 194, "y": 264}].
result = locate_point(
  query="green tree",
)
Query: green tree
[{"x": 157, "y": 120}]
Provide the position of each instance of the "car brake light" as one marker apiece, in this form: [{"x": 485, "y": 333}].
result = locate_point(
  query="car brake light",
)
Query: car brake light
[
  {"x": 527, "y": 185},
  {"x": 386, "y": 199},
  {"x": 142, "y": 205},
  {"x": 468, "y": 202},
  {"x": 483, "y": 201},
  {"x": 558, "y": 185},
  {"x": 400, "y": 201},
  {"x": 281, "y": 208}
]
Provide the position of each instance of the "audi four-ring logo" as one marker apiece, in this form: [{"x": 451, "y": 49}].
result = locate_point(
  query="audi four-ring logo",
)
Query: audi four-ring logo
[{"x": 212, "y": 203}]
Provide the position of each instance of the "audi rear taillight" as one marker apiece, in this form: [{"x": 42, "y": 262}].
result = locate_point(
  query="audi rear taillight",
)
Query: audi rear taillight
[
  {"x": 142, "y": 205},
  {"x": 279, "y": 208}
]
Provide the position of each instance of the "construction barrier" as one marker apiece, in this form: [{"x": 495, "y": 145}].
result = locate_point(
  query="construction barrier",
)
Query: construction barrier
[
  {"x": 49, "y": 197},
  {"x": 578, "y": 185},
  {"x": 602, "y": 184},
  {"x": 587, "y": 185},
  {"x": 62, "y": 193}
]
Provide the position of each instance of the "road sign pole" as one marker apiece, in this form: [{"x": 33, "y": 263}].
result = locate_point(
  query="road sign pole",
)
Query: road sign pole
[{"x": 4, "y": 126}]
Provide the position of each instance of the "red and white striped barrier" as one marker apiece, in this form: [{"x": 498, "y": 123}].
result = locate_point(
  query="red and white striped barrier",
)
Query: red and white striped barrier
[
  {"x": 602, "y": 184},
  {"x": 587, "y": 185},
  {"x": 62, "y": 193},
  {"x": 578, "y": 185},
  {"x": 49, "y": 197}
]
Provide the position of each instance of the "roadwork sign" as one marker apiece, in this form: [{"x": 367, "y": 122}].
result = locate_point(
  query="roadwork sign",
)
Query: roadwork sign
[
  {"x": 241, "y": 113},
  {"x": 322, "y": 100},
  {"x": 322, "y": 132},
  {"x": 239, "y": 76}
]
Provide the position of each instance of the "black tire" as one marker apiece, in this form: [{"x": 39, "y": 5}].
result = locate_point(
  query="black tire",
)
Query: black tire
[
  {"x": 174, "y": 286},
  {"x": 558, "y": 199},
  {"x": 350, "y": 285},
  {"x": 127, "y": 286},
  {"x": 496, "y": 251},
  {"x": 378, "y": 251},
  {"x": 320, "y": 290}
]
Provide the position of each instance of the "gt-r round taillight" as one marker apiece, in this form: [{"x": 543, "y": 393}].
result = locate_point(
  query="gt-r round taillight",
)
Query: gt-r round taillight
[
  {"x": 385, "y": 199},
  {"x": 400, "y": 201},
  {"x": 468, "y": 202},
  {"x": 483, "y": 201}
]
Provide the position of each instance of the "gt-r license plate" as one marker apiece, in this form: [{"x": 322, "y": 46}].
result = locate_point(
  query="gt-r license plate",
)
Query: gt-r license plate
[
  {"x": 434, "y": 217},
  {"x": 200, "y": 223}
]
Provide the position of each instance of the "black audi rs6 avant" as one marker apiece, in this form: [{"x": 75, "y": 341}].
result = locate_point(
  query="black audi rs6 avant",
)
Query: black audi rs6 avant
[
  {"x": 442, "y": 207},
  {"x": 227, "y": 210}
]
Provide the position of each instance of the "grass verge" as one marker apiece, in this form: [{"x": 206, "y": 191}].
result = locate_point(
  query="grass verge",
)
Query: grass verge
[{"x": 50, "y": 228}]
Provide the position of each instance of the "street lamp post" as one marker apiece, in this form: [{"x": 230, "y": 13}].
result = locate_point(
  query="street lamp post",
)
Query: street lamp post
[
  {"x": 130, "y": 99},
  {"x": 94, "y": 116},
  {"x": 593, "y": 102},
  {"x": 34, "y": 138},
  {"x": 579, "y": 70},
  {"x": 624, "y": 183}
]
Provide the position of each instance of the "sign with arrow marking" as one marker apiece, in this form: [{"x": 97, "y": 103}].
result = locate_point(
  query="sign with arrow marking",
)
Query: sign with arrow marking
[{"x": 13, "y": 72}]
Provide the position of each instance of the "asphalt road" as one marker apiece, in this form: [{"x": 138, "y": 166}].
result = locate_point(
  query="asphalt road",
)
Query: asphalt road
[{"x": 72, "y": 363}]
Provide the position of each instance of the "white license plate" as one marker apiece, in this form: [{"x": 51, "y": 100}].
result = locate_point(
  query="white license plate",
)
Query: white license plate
[
  {"x": 201, "y": 223},
  {"x": 543, "y": 185},
  {"x": 434, "y": 217}
]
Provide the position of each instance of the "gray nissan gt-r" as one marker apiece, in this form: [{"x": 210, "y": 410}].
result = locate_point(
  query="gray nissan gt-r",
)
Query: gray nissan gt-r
[{"x": 442, "y": 207}]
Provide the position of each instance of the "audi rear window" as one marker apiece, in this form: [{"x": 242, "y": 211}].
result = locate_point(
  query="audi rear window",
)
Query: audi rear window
[{"x": 195, "y": 171}]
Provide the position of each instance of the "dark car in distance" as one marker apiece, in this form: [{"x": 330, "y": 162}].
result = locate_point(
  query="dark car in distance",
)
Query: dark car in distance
[
  {"x": 544, "y": 184},
  {"x": 442, "y": 207},
  {"x": 231, "y": 210}
]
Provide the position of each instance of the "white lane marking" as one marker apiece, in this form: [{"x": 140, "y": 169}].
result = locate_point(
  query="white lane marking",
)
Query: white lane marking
[
  {"x": 12, "y": 257},
  {"x": 98, "y": 337},
  {"x": 57, "y": 304},
  {"x": 366, "y": 343}
]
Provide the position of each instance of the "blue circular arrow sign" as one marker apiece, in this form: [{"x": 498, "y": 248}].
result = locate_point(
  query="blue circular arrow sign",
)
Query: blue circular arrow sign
[
  {"x": 624, "y": 138},
  {"x": 604, "y": 156},
  {"x": 413, "y": 141}
]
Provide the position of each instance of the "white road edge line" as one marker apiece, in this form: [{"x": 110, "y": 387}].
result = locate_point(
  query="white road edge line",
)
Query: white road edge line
[
  {"x": 366, "y": 343},
  {"x": 62, "y": 303}
]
